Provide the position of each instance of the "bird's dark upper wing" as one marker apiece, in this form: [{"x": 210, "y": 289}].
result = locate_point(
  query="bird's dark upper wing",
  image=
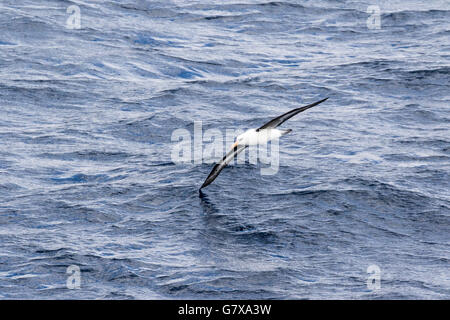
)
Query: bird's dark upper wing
[
  {"x": 222, "y": 164},
  {"x": 279, "y": 120}
]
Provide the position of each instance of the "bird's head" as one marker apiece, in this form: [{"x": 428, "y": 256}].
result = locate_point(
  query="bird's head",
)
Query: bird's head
[
  {"x": 242, "y": 139},
  {"x": 239, "y": 141}
]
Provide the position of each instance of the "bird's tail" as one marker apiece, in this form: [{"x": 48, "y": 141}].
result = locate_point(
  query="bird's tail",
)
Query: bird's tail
[{"x": 286, "y": 132}]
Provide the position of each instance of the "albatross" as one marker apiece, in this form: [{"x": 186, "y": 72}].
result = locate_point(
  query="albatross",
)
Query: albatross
[{"x": 252, "y": 137}]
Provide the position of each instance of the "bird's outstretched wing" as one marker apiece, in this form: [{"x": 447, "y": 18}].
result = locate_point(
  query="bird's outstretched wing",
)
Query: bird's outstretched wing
[
  {"x": 222, "y": 164},
  {"x": 279, "y": 120}
]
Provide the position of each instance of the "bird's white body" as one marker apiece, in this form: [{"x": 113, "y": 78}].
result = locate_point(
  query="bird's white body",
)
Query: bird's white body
[{"x": 253, "y": 137}]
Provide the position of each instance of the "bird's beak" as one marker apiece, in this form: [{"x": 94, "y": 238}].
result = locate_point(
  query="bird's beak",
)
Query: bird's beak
[{"x": 234, "y": 145}]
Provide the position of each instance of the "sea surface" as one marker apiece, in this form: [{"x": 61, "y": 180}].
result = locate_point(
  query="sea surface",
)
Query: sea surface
[{"x": 359, "y": 207}]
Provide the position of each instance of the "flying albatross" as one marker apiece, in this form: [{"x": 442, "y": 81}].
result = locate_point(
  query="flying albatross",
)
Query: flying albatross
[{"x": 252, "y": 137}]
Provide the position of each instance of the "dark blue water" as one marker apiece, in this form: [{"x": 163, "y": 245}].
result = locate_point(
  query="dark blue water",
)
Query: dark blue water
[{"x": 86, "y": 176}]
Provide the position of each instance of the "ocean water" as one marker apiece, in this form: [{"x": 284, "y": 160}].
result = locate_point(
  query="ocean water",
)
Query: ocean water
[{"x": 87, "y": 179}]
